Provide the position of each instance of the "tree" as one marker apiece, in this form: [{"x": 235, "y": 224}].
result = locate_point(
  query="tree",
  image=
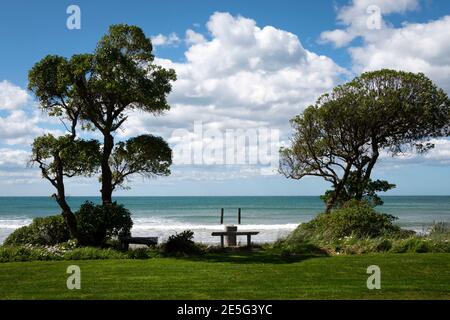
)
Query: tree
[
  {"x": 340, "y": 138},
  {"x": 146, "y": 155},
  {"x": 65, "y": 157},
  {"x": 104, "y": 86},
  {"x": 51, "y": 81}
]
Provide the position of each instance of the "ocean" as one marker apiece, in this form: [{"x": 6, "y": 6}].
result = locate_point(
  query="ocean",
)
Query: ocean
[{"x": 273, "y": 217}]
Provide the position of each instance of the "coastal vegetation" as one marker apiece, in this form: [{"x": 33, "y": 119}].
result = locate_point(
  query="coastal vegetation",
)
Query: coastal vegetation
[{"x": 343, "y": 135}]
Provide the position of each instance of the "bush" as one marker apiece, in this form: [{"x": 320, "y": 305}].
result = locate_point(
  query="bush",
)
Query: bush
[
  {"x": 99, "y": 223},
  {"x": 181, "y": 243},
  {"x": 42, "y": 231},
  {"x": 358, "y": 221},
  {"x": 440, "y": 229},
  {"x": 140, "y": 253},
  {"x": 90, "y": 253}
]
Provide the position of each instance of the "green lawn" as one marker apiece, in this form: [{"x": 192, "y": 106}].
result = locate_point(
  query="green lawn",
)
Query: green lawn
[{"x": 233, "y": 276}]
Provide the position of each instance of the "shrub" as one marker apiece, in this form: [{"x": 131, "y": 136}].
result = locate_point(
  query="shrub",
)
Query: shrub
[
  {"x": 358, "y": 221},
  {"x": 90, "y": 253},
  {"x": 440, "y": 229},
  {"x": 140, "y": 253},
  {"x": 416, "y": 245},
  {"x": 99, "y": 223},
  {"x": 383, "y": 246},
  {"x": 181, "y": 243},
  {"x": 42, "y": 231}
]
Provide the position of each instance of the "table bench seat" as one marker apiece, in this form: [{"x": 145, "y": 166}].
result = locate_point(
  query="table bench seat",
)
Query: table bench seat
[
  {"x": 148, "y": 241},
  {"x": 222, "y": 234}
]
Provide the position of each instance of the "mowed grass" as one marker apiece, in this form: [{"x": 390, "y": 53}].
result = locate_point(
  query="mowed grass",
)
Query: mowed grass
[{"x": 233, "y": 276}]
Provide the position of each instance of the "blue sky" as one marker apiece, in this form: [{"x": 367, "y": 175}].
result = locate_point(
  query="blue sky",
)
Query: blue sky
[{"x": 298, "y": 49}]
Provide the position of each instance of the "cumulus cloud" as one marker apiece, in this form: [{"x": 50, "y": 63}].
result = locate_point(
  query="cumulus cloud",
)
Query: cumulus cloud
[
  {"x": 13, "y": 159},
  {"x": 19, "y": 127},
  {"x": 438, "y": 156},
  {"x": 416, "y": 47},
  {"x": 193, "y": 37},
  {"x": 242, "y": 76},
  {"x": 11, "y": 96},
  {"x": 365, "y": 18},
  {"x": 162, "y": 40}
]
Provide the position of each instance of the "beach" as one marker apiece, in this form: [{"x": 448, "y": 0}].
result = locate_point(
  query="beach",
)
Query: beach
[{"x": 273, "y": 217}]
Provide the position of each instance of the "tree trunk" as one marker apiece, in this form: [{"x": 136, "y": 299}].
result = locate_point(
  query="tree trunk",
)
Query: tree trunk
[
  {"x": 107, "y": 187},
  {"x": 60, "y": 197},
  {"x": 69, "y": 217},
  {"x": 338, "y": 189},
  {"x": 365, "y": 180}
]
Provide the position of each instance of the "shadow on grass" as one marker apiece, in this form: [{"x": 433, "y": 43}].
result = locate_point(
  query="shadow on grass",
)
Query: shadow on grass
[{"x": 252, "y": 257}]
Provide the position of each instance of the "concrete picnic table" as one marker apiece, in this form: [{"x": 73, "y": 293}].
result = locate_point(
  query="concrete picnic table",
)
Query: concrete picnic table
[
  {"x": 232, "y": 234},
  {"x": 148, "y": 241}
]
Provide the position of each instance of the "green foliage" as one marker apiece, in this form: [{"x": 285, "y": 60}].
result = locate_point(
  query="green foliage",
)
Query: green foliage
[
  {"x": 47, "y": 148},
  {"x": 181, "y": 243},
  {"x": 421, "y": 245},
  {"x": 351, "y": 187},
  {"x": 357, "y": 220},
  {"x": 54, "y": 253},
  {"x": 140, "y": 253},
  {"x": 440, "y": 229},
  {"x": 98, "y": 223},
  {"x": 90, "y": 253},
  {"x": 51, "y": 80},
  {"x": 42, "y": 231},
  {"x": 120, "y": 73},
  {"x": 146, "y": 155}
]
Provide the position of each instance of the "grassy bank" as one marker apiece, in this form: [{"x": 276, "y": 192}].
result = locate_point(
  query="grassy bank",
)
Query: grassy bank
[{"x": 233, "y": 276}]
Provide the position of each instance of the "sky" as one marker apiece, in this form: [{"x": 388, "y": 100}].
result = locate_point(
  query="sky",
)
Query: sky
[{"x": 244, "y": 67}]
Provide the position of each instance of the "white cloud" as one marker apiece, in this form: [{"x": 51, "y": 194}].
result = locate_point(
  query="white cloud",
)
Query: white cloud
[
  {"x": 419, "y": 47},
  {"x": 12, "y": 158},
  {"x": 242, "y": 76},
  {"x": 439, "y": 155},
  {"x": 162, "y": 40},
  {"x": 193, "y": 37},
  {"x": 20, "y": 127},
  {"x": 11, "y": 96},
  {"x": 357, "y": 18},
  {"x": 415, "y": 47}
]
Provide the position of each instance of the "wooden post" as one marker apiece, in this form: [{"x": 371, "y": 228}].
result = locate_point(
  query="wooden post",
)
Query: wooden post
[
  {"x": 239, "y": 216},
  {"x": 221, "y": 216}
]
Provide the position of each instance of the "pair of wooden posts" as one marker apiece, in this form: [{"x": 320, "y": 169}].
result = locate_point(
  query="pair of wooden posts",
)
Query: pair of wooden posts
[{"x": 221, "y": 215}]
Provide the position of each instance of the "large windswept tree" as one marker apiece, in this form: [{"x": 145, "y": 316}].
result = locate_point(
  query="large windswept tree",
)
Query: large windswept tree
[
  {"x": 341, "y": 137},
  {"x": 103, "y": 87}
]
